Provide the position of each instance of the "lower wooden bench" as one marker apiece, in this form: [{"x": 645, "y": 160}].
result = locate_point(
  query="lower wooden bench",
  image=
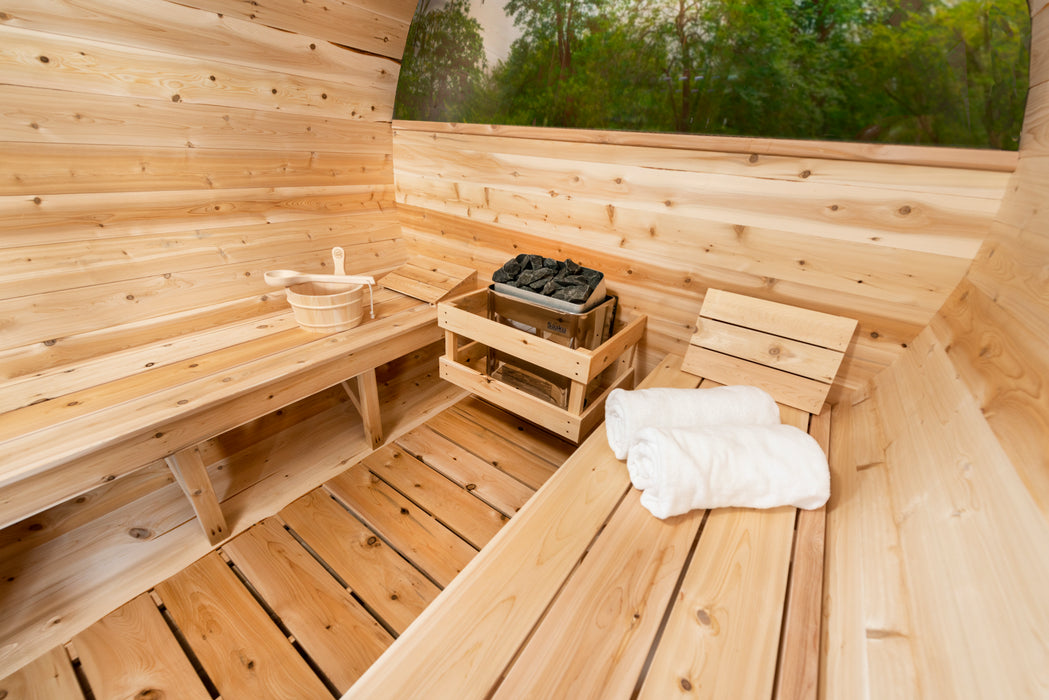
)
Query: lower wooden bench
[
  {"x": 54, "y": 449},
  {"x": 585, "y": 595}
]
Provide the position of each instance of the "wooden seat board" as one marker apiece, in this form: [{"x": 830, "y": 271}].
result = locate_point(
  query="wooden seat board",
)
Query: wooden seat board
[
  {"x": 512, "y": 581},
  {"x": 510, "y": 457},
  {"x": 131, "y": 653},
  {"x": 239, "y": 646},
  {"x": 386, "y": 583},
  {"x": 456, "y": 508},
  {"x": 48, "y": 677},
  {"x": 417, "y": 535},
  {"x": 496, "y": 488},
  {"x": 334, "y": 629},
  {"x": 594, "y": 639},
  {"x": 722, "y": 636}
]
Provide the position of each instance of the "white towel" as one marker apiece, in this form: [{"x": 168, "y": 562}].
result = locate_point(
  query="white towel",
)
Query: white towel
[
  {"x": 629, "y": 412},
  {"x": 731, "y": 465}
]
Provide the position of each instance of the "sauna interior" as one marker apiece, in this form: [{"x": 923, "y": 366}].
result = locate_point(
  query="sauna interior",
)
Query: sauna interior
[{"x": 158, "y": 157}]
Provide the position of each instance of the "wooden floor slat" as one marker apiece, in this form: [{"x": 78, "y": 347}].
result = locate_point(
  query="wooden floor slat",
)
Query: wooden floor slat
[
  {"x": 496, "y": 488},
  {"x": 456, "y": 507},
  {"x": 417, "y": 535},
  {"x": 132, "y": 653},
  {"x": 243, "y": 651},
  {"x": 505, "y": 455},
  {"x": 384, "y": 581},
  {"x": 538, "y": 441},
  {"x": 334, "y": 629},
  {"x": 49, "y": 677}
]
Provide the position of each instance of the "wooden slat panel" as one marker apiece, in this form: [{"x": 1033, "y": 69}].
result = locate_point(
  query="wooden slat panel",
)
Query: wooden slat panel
[
  {"x": 49, "y": 677},
  {"x": 531, "y": 438},
  {"x": 771, "y": 350},
  {"x": 785, "y": 321},
  {"x": 508, "y": 456},
  {"x": 452, "y": 655},
  {"x": 470, "y": 518},
  {"x": 477, "y": 475},
  {"x": 243, "y": 652},
  {"x": 418, "y": 536},
  {"x": 131, "y": 653},
  {"x": 386, "y": 583},
  {"x": 430, "y": 280},
  {"x": 594, "y": 639},
  {"x": 806, "y": 394},
  {"x": 333, "y": 628}
]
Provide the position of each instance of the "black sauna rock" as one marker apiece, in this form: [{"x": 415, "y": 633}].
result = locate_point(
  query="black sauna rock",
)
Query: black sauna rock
[
  {"x": 573, "y": 295},
  {"x": 530, "y": 277},
  {"x": 501, "y": 276},
  {"x": 572, "y": 267},
  {"x": 564, "y": 280},
  {"x": 512, "y": 268},
  {"x": 550, "y": 287},
  {"x": 593, "y": 277},
  {"x": 535, "y": 262},
  {"x": 551, "y": 264}
]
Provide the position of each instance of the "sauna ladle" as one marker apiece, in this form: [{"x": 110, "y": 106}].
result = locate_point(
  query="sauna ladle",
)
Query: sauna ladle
[{"x": 285, "y": 278}]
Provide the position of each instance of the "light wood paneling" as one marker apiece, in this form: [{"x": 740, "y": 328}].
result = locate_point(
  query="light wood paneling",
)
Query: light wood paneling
[{"x": 841, "y": 229}]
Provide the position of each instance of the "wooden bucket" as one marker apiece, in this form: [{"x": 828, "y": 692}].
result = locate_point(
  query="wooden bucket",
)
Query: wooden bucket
[{"x": 326, "y": 307}]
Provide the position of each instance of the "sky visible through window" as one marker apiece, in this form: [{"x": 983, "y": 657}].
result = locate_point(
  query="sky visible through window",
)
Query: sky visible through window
[{"x": 934, "y": 72}]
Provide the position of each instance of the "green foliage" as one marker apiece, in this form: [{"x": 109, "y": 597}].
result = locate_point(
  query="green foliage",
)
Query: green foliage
[
  {"x": 443, "y": 70},
  {"x": 951, "y": 72}
]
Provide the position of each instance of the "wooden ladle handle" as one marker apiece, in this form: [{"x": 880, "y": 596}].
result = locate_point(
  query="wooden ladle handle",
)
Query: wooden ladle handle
[{"x": 339, "y": 256}]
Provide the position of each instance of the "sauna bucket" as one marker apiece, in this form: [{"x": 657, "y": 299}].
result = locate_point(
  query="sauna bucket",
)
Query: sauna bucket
[{"x": 326, "y": 307}]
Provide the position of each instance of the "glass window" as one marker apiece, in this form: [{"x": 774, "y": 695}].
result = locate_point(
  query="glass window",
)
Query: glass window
[{"x": 943, "y": 72}]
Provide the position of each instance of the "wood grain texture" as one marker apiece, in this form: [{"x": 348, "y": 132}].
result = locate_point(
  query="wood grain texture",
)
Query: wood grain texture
[
  {"x": 242, "y": 650},
  {"x": 131, "y": 653},
  {"x": 665, "y": 223},
  {"x": 334, "y": 629},
  {"x": 49, "y": 677}
]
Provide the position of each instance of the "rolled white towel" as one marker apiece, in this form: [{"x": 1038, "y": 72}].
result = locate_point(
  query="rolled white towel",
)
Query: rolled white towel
[
  {"x": 713, "y": 467},
  {"x": 629, "y": 412}
]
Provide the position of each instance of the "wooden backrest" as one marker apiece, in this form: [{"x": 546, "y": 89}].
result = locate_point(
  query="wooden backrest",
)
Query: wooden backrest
[{"x": 790, "y": 352}]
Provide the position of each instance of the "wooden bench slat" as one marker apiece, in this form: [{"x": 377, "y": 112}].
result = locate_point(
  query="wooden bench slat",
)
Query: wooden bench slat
[
  {"x": 48, "y": 677},
  {"x": 781, "y": 353},
  {"x": 813, "y": 327},
  {"x": 386, "y": 583},
  {"x": 131, "y": 653},
  {"x": 469, "y": 517},
  {"x": 799, "y": 654},
  {"x": 535, "y": 440},
  {"x": 594, "y": 639},
  {"x": 418, "y": 536},
  {"x": 243, "y": 652},
  {"x": 496, "y": 488},
  {"x": 731, "y": 600},
  {"x": 510, "y": 582},
  {"x": 334, "y": 629},
  {"x": 800, "y": 392}
]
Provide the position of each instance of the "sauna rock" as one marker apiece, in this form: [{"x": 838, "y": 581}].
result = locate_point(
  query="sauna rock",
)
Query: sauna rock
[{"x": 565, "y": 280}]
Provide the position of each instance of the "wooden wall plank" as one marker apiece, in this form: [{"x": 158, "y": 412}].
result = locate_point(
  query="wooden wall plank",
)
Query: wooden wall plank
[
  {"x": 243, "y": 652},
  {"x": 131, "y": 653},
  {"x": 32, "y": 59},
  {"x": 380, "y": 29},
  {"x": 157, "y": 25},
  {"x": 334, "y": 629},
  {"x": 36, "y": 115},
  {"x": 49, "y": 169}
]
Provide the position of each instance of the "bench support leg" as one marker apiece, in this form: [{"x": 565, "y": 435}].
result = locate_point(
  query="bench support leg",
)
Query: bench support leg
[
  {"x": 366, "y": 400},
  {"x": 191, "y": 474}
]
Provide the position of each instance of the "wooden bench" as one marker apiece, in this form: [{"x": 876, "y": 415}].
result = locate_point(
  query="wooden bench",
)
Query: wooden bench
[
  {"x": 64, "y": 434},
  {"x": 586, "y": 595}
]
